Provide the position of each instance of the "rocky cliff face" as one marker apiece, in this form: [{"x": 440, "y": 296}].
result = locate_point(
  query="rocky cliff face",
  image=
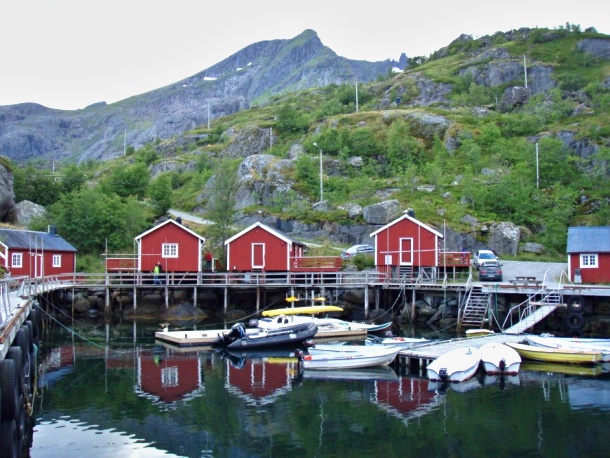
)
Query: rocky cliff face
[{"x": 99, "y": 131}]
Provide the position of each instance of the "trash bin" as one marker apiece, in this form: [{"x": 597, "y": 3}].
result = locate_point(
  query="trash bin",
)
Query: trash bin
[{"x": 577, "y": 276}]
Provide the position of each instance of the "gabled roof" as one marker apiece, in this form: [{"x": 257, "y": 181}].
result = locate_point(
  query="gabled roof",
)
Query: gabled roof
[
  {"x": 410, "y": 218},
  {"x": 274, "y": 232},
  {"x": 34, "y": 240},
  {"x": 175, "y": 223},
  {"x": 589, "y": 239}
]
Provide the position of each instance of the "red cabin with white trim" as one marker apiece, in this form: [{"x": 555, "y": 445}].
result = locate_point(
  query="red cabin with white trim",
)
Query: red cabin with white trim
[
  {"x": 407, "y": 246},
  {"x": 36, "y": 254},
  {"x": 261, "y": 248},
  {"x": 588, "y": 252},
  {"x": 178, "y": 248}
]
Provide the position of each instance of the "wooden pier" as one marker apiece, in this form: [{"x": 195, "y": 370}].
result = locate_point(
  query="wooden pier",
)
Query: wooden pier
[{"x": 418, "y": 357}]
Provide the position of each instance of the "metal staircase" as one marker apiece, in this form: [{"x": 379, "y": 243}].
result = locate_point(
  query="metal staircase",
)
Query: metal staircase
[
  {"x": 535, "y": 312},
  {"x": 475, "y": 309}
]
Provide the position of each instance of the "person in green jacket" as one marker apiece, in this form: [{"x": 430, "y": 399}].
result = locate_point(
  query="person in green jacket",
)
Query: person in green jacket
[{"x": 157, "y": 271}]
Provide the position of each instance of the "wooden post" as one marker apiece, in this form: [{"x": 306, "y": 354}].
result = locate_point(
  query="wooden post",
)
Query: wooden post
[
  {"x": 413, "y": 304},
  {"x": 258, "y": 299},
  {"x": 366, "y": 301}
]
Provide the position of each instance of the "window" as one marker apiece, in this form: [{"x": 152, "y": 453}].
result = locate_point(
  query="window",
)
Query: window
[
  {"x": 57, "y": 260},
  {"x": 169, "y": 250},
  {"x": 17, "y": 260},
  {"x": 588, "y": 260},
  {"x": 169, "y": 376}
]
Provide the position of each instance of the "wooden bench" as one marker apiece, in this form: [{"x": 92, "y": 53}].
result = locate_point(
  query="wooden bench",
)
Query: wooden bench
[{"x": 526, "y": 281}]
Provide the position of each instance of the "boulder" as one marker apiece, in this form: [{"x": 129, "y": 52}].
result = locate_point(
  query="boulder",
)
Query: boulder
[
  {"x": 504, "y": 238},
  {"x": 382, "y": 213},
  {"x": 7, "y": 196},
  {"x": 24, "y": 212}
]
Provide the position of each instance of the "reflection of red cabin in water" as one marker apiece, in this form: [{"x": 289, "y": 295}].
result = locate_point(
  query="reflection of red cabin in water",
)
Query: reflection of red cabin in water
[
  {"x": 406, "y": 398},
  {"x": 169, "y": 377},
  {"x": 406, "y": 246},
  {"x": 260, "y": 381},
  {"x": 261, "y": 248}
]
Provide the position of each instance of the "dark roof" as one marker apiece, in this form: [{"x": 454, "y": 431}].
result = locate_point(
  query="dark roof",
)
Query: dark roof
[
  {"x": 589, "y": 239},
  {"x": 14, "y": 238}
]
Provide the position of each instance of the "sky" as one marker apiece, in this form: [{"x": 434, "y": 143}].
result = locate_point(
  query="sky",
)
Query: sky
[{"x": 69, "y": 54}]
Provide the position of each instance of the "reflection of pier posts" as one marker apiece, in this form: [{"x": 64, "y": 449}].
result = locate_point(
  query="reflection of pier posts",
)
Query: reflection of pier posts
[{"x": 226, "y": 303}]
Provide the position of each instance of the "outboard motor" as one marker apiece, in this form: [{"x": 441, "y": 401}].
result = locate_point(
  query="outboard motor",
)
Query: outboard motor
[{"x": 253, "y": 323}]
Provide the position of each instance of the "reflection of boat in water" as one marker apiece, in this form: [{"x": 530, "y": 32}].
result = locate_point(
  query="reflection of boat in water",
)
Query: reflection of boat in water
[
  {"x": 385, "y": 373},
  {"x": 501, "y": 380},
  {"x": 558, "y": 368}
]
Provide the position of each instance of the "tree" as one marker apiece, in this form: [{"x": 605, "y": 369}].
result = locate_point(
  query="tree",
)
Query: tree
[
  {"x": 38, "y": 186},
  {"x": 125, "y": 181},
  {"x": 221, "y": 202},
  {"x": 72, "y": 178},
  {"x": 93, "y": 218},
  {"x": 160, "y": 194}
]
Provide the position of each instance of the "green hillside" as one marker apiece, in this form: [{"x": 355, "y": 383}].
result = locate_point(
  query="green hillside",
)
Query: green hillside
[{"x": 449, "y": 137}]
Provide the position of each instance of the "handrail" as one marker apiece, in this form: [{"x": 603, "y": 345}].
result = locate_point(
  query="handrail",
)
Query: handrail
[{"x": 527, "y": 310}]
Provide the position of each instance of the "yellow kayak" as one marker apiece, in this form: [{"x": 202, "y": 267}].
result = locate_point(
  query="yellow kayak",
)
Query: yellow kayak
[{"x": 310, "y": 310}]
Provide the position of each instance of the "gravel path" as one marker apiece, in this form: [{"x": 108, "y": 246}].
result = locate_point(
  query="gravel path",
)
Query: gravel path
[{"x": 553, "y": 270}]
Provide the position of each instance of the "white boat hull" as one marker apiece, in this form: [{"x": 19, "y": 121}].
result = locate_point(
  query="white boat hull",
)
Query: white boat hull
[
  {"x": 499, "y": 359},
  {"x": 455, "y": 366},
  {"x": 350, "y": 359}
]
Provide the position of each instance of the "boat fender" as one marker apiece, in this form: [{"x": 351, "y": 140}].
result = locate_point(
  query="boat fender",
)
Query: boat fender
[
  {"x": 575, "y": 321},
  {"x": 576, "y": 303}
]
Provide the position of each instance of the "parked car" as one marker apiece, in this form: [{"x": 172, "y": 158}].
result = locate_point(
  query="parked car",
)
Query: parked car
[
  {"x": 356, "y": 249},
  {"x": 490, "y": 271},
  {"x": 482, "y": 257}
]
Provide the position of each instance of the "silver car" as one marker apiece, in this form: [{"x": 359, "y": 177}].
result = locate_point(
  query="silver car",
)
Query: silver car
[
  {"x": 357, "y": 249},
  {"x": 482, "y": 257}
]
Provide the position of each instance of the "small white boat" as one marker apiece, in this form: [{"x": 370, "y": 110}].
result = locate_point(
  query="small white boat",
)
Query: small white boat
[
  {"x": 352, "y": 357},
  {"x": 498, "y": 359},
  {"x": 404, "y": 342},
  {"x": 572, "y": 343},
  {"x": 479, "y": 332},
  {"x": 455, "y": 366}
]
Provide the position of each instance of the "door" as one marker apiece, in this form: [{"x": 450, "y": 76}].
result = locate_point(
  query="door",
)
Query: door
[
  {"x": 406, "y": 251},
  {"x": 258, "y": 256}
]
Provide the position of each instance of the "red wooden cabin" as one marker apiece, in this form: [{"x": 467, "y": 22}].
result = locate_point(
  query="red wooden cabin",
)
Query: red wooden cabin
[
  {"x": 261, "y": 248},
  {"x": 407, "y": 247},
  {"x": 36, "y": 254},
  {"x": 177, "y": 248},
  {"x": 589, "y": 254}
]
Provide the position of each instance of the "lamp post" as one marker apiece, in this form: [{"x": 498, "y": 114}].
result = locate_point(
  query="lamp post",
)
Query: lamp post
[{"x": 321, "y": 174}]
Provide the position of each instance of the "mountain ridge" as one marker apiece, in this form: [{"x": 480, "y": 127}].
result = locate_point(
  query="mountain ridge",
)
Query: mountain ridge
[{"x": 251, "y": 75}]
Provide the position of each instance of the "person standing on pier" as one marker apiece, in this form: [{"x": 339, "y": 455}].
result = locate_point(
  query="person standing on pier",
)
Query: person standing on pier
[{"x": 157, "y": 271}]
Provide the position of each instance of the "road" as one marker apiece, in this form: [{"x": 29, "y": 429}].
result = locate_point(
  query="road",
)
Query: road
[{"x": 548, "y": 271}]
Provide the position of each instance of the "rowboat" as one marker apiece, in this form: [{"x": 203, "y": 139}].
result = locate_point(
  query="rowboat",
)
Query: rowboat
[
  {"x": 572, "y": 344},
  {"x": 404, "y": 342},
  {"x": 292, "y": 336},
  {"x": 556, "y": 355},
  {"x": 353, "y": 357},
  {"x": 455, "y": 366},
  {"x": 498, "y": 359}
]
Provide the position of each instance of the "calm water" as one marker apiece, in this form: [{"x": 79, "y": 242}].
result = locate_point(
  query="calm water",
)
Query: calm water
[{"x": 117, "y": 394}]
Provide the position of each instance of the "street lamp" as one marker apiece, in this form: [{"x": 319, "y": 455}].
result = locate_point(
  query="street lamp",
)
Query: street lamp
[{"x": 321, "y": 175}]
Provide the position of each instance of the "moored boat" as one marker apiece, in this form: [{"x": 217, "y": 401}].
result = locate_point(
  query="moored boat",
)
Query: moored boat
[
  {"x": 556, "y": 355},
  {"x": 455, "y": 366},
  {"x": 353, "y": 357},
  {"x": 479, "y": 332},
  {"x": 572, "y": 343},
  {"x": 290, "y": 336},
  {"x": 277, "y": 318},
  {"x": 498, "y": 359}
]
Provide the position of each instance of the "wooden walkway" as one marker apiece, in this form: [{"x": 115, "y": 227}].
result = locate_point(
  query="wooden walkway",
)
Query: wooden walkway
[{"x": 418, "y": 357}]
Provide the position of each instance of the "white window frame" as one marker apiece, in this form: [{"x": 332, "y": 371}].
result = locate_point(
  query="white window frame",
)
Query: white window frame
[
  {"x": 56, "y": 260},
  {"x": 589, "y": 261},
  {"x": 17, "y": 260},
  {"x": 169, "y": 250}
]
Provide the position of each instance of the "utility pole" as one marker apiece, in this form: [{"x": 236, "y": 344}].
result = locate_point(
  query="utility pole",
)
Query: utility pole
[
  {"x": 525, "y": 70},
  {"x": 321, "y": 174},
  {"x": 537, "y": 169},
  {"x": 356, "y": 96}
]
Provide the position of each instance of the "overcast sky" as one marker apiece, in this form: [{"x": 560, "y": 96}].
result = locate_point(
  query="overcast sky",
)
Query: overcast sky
[{"x": 71, "y": 53}]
